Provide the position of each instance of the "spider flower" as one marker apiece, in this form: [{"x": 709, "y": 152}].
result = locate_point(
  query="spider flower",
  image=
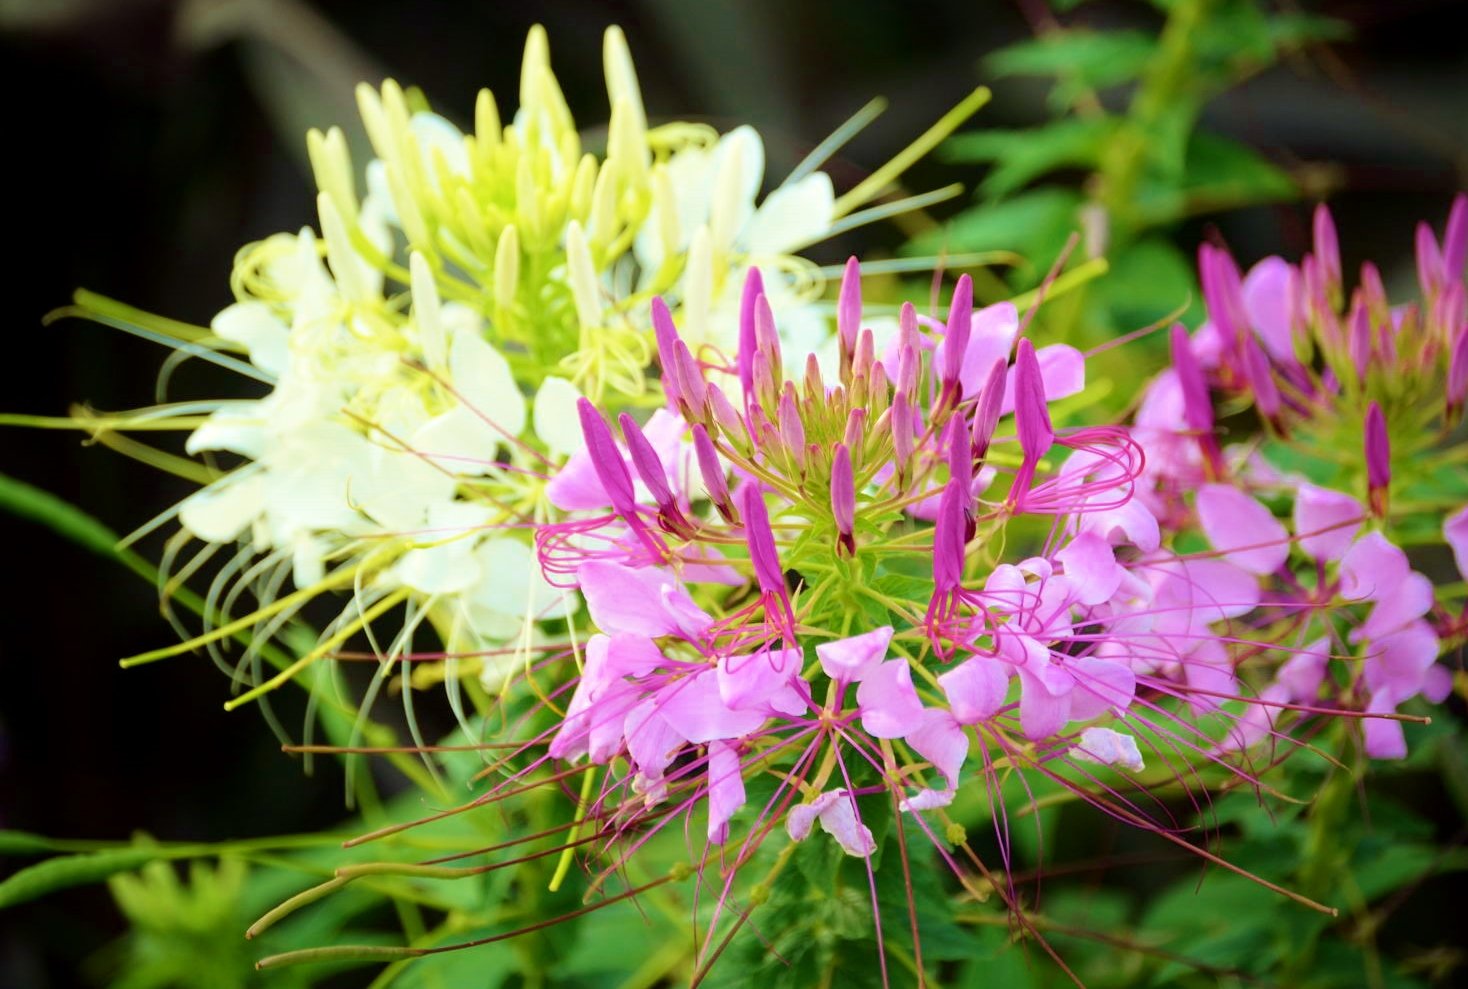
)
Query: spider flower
[
  {"x": 826, "y": 610},
  {"x": 846, "y": 619},
  {"x": 396, "y": 454}
]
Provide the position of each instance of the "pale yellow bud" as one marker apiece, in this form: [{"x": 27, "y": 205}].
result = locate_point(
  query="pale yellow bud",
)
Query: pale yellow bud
[
  {"x": 582, "y": 274},
  {"x": 506, "y": 266}
]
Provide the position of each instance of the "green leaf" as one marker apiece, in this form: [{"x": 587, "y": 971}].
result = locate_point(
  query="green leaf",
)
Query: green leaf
[
  {"x": 66, "y": 520},
  {"x": 1021, "y": 156},
  {"x": 1035, "y": 223},
  {"x": 1081, "y": 59},
  {"x": 66, "y": 871},
  {"x": 1224, "y": 173},
  {"x": 1148, "y": 280}
]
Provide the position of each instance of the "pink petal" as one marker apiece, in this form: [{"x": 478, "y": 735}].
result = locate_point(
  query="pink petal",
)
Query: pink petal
[
  {"x": 1204, "y": 592},
  {"x": 1455, "y": 531},
  {"x": 1100, "y": 686},
  {"x": 726, "y": 789},
  {"x": 1304, "y": 672},
  {"x": 994, "y": 330},
  {"x": 1269, "y": 300},
  {"x": 1091, "y": 566},
  {"x": 1384, "y": 737},
  {"x": 644, "y": 601},
  {"x": 651, "y": 741},
  {"x": 975, "y": 689},
  {"x": 1109, "y": 748},
  {"x": 1062, "y": 370},
  {"x": 941, "y": 741},
  {"x": 1130, "y": 523},
  {"x": 1335, "y": 518},
  {"x": 693, "y": 707},
  {"x": 1371, "y": 568},
  {"x": 1208, "y": 671},
  {"x": 1400, "y": 661},
  {"x": 839, "y": 820},
  {"x": 1245, "y": 531},
  {"x": 763, "y": 681},
  {"x": 852, "y": 659},
  {"x": 889, "y": 705},
  {"x": 1409, "y": 598}
]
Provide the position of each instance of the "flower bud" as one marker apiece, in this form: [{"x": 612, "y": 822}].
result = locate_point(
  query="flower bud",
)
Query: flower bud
[
  {"x": 955, "y": 341},
  {"x": 990, "y": 405},
  {"x": 848, "y": 314},
  {"x": 843, "y": 499},
  {"x": 754, "y": 288},
  {"x": 1378, "y": 460},
  {"x": 1031, "y": 413},
  {"x": 1327, "y": 252},
  {"x": 712, "y": 471}
]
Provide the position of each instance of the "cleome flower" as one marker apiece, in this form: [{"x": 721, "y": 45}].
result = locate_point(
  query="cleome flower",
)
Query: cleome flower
[
  {"x": 805, "y": 615},
  {"x": 1362, "y": 401},
  {"x": 425, "y": 350}
]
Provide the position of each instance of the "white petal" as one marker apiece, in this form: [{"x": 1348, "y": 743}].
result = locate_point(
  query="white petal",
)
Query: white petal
[
  {"x": 255, "y": 327},
  {"x": 220, "y": 512},
  {"x": 555, "y": 417},
  {"x": 792, "y": 217},
  {"x": 482, "y": 377}
]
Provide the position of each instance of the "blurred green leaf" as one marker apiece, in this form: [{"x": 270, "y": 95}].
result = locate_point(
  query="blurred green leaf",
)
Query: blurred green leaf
[
  {"x": 1035, "y": 223},
  {"x": 1021, "y": 156},
  {"x": 1081, "y": 59}
]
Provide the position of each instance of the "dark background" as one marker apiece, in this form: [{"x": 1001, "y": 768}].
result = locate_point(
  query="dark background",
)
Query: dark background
[{"x": 145, "y": 141}]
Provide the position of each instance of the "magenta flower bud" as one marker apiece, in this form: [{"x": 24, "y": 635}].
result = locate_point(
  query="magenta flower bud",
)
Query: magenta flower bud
[
  {"x": 765, "y": 392},
  {"x": 865, "y": 357},
  {"x": 1373, "y": 291},
  {"x": 766, "y": 338},
  {"x": 754, "y": 287},
  {"x": 948, "y": 541},
  {"x": 848, "y": 313},
  {"x": 901, "y": 424},
  {"x": 1449, "y": 310},
  {"x": 646, "y": 461},
  {"x": 728, "y": 419},
  {"x": 792, "y": 429},
  {"x": 693, "y": 393},
  {"x": 843, "y": 499},
  {"x": 1378, "y": 459},
  {"x": 1430, "y": 272},
  {"x": 1197, "y": 407},
  {"x": 1031, "y": 413},
  {"x": 666, "y": 335},
  {"x": 761, "y": 540},
  {"x": 712, "y": 471},
  {"x": 1327, "y": 250},
  {"x": 1455, "y": 239},
  {"x": 1358, "y": 337},
  {"x": 815, "y": 385},
  {"x": 1261, "y": 380},
  {"x": 960, "y": 326},
  {"x": 989, "y": 408},
  {"x": 855, "y": 435},
  {"x": 877, "y": 386},
  {"x": 961, "y": 471},
  {"x": 1223, "y": 293},
  {"x": 1457, "y": 387},
  {"x": 907, "y": 327},
  {"x": 606, "y": 459},
  {"x": 908, "y": 365}
]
